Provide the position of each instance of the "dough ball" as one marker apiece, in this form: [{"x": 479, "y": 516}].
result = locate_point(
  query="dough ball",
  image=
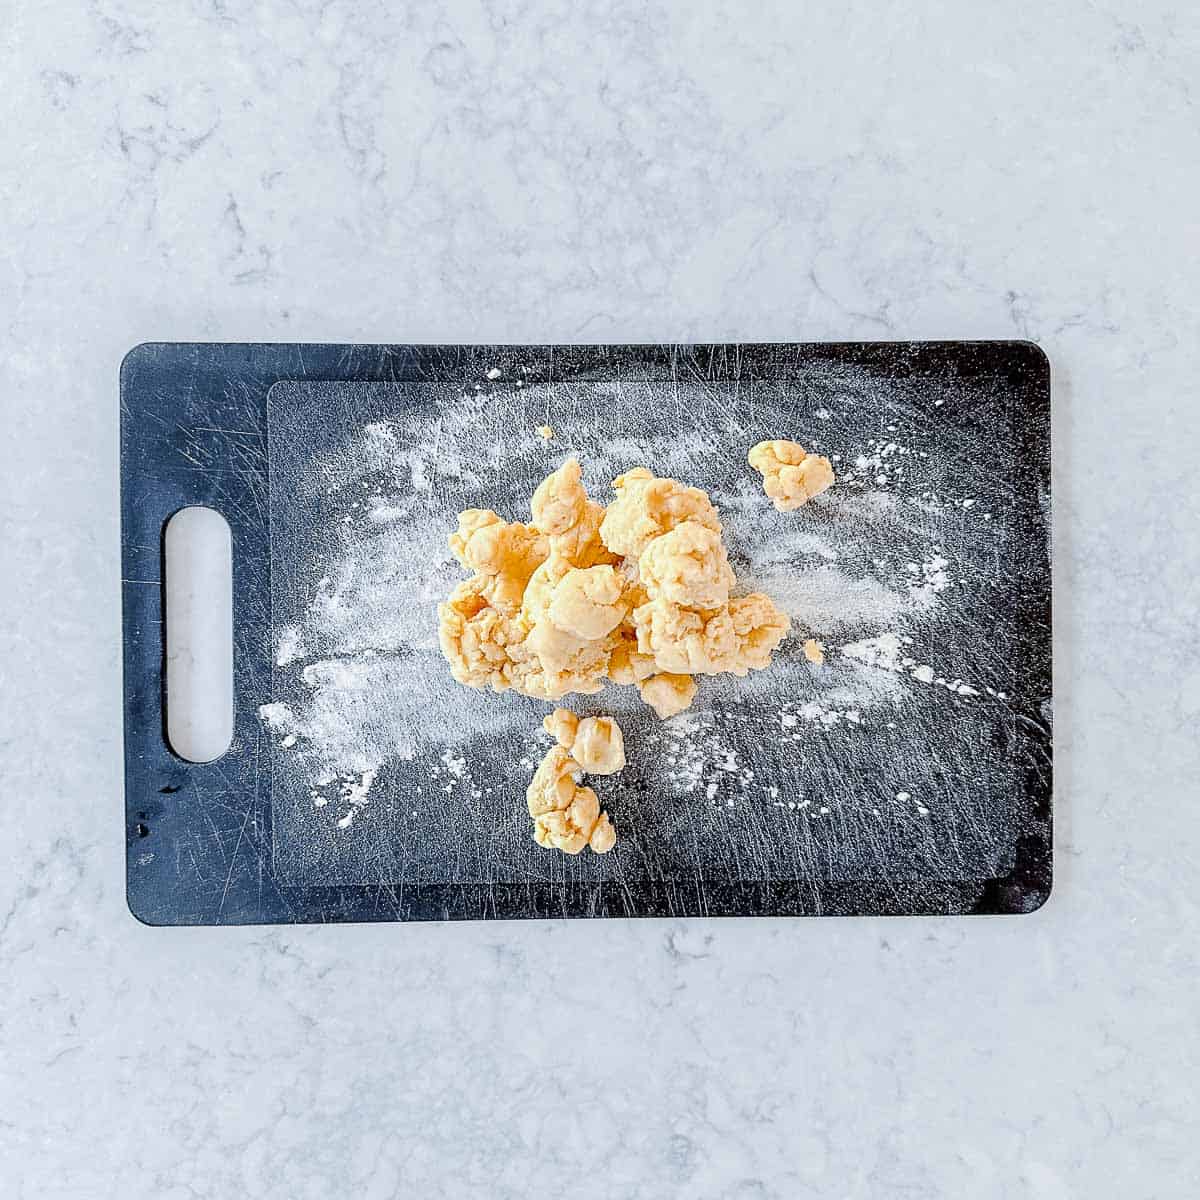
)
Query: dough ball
[{"x": 688, "y": 566}]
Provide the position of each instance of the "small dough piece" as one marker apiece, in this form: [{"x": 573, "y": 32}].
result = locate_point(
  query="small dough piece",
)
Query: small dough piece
[
  {"x": 545, "y": 432},
  {"x": 477, "y": 638},
  {"x": 571, "y": 522},
  {"x": 486, "y": 648},
  {"x": 668, "y": 694},
  {"x": 814, "y": 652},
  {"x": 567, "y": 662},
  {"x": 566, "y": 816},
  {"x": 587, "y": 602},
  {"x": 759, "y": 627},
  {"x": 599, "y": 746},
  {"x": 604, "y": 836},
  {"x": 685, "y": 641},
  {"x": 562, "y": 725},
  {"x": 559, "y": 500},
  {"x": 688, "y": 566},
  {"x": 506, "y": 554},
  {"x": 646, "y": 507},
  {"x": 791, "y": 476},
  {"x": 553, "y": 785},
  {"x": 535, "y": 605},
  {"x": 628, "y": 665},
  {"x": 574, "y": 624},
  {"x": 569, "y": 829},
  {"x": 595, "y": 743}
]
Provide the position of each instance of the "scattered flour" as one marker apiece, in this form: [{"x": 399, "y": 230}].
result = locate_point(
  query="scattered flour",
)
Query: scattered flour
[
  {"x": 454, "y": 763},
  {"x": 884, "y": 651},
  {"x": 931, "y": 578},
  {"x": 289, "y": 646},
  {"x": 888, "y": 652}
]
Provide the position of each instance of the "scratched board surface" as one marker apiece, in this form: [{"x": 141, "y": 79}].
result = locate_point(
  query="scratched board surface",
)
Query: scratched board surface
[
  {"x": 909, "y": 772},
  {"x": 898, "y": 759}
]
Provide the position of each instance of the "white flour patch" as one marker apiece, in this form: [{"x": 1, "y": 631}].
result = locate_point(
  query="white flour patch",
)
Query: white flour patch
[
  {"x": 454, "y": 763},
  {"x": 883, "y": 651},
  {"x": 881, "y": 463},
  {"x": 814, "y": 711},
  {"x": 890, "y": 652},
  {"x": 289, "y": 646},
  {"x": 355, "y": 790},
  {"x": 381, "y": 512},
  {"x": 824, "y": 600},
  {"x": 930, "y": 578}
]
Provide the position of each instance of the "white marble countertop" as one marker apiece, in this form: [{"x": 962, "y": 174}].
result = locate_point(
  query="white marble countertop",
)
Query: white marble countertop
[{"x": 578, "y": 171}]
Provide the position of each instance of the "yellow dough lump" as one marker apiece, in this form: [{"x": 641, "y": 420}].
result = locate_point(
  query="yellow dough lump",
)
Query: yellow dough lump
[
  {"x": 668, "y": 694},
  {"x": 596, "y": 743},
  {"x": 570, "y": 521},
  {"x": 791, "y": 476},
  {"x": 637, "y": 594},
  {"x": 688, "y": 566},
  {"x": 647, "y": 507},
  {"x": 566, "y": 816},
  {"x": 505, "y": 555}
]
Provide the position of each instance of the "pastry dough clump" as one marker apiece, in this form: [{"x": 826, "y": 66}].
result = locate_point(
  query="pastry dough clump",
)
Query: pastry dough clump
[
  {"x": 791, "y": 476},
  {"x": 596, "y": 743},
  {"x": 668, "y": 694},
  {"x": 566, "y": 816},
  {"x": 638, "y": 593},
  {"x": 647, "y": 507}
]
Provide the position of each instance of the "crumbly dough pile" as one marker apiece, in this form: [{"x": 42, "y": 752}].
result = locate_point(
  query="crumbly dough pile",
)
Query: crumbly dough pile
[
  {"x": 791, "y": 476},
  {"x": 637, "y": 593},
  {"x": 566, "y": 816}
]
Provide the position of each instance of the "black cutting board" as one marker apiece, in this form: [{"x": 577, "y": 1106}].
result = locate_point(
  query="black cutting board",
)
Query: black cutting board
[{"x": 909, "y": 774}]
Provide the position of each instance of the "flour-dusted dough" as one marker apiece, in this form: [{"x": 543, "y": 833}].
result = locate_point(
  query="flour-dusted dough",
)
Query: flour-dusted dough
[
  {"x": 637, "y": 594},
  {"x": 596, "y": 743},
  {"x": 791, "y": 476},
  {"x": 668, "y": 694},
  {"x": 566, "y": 816}
]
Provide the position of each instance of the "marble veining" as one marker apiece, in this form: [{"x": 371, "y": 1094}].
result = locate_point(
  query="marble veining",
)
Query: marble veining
[{"x": 506, "y": 171}]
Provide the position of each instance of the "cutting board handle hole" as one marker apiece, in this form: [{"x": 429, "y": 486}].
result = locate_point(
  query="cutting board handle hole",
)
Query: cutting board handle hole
[{"x": 198, "y": 627}]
